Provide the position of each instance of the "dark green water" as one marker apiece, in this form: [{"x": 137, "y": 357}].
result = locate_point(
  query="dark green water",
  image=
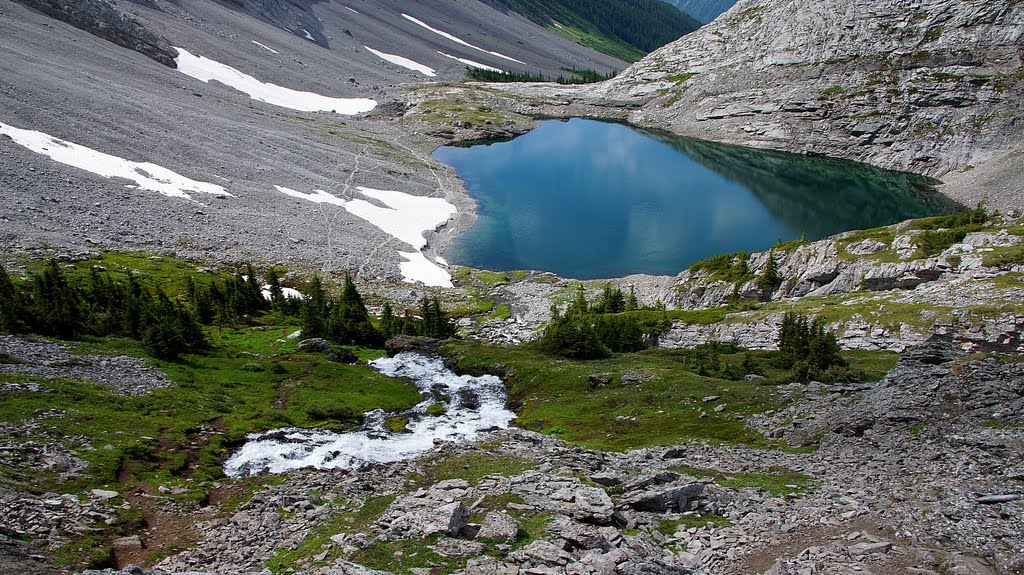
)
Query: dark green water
[{"x": 589, "y": 199}]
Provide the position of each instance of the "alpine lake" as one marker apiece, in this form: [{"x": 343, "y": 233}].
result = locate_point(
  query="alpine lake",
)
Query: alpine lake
[{"x": 588, "y": 199}]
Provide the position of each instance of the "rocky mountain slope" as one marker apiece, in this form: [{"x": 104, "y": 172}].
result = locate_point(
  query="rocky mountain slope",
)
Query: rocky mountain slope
[
  {"x": 934, "y": 89},
  {"x": 126, "y": 109}
]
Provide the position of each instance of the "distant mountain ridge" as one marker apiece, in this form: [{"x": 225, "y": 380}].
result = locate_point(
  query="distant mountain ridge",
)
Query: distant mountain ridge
[
  {"x": 625, "y": 29},
  {"x": 703, "y": 10}
]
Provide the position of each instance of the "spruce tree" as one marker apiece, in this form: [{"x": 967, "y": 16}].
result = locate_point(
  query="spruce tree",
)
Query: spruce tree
[
  {"x": 631, "y": 302},
  {"x": 314, "y": 310},
  {"x": 57, "y": 308},
  {"x": 770, "y": 278},
  {"x": 10, "y": 304},
  {"x": 387, "y": 322},
  {"x": 277, "y": 301},
  {"x": 349, "y": 322},
  {"x": 253, "y": 294}
]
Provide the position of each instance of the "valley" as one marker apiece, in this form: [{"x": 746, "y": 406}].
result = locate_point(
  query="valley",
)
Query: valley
[{"x": 211, "y": 182}]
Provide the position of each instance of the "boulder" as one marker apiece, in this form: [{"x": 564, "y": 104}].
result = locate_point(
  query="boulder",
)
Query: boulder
[
  {"x": 314, "y": 344},
  {"x": 498, "y": 526},
  {"x": 342, "y": 355},
  {"x": 403, "y": 343},
  {"x": 869, "y": 548},
  {"x": 591, "y": 505},
  {"x": 606, "y": 479},
  {"x": 660, "y": 500},
  {"x": 584, "y": 537},
  {"x": 421, "y": 517},
  {"x": 540, "y": 553}
]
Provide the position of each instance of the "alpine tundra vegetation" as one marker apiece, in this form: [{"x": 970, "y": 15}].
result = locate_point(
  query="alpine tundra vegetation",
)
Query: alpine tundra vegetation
[{"x": 238, "y": 334}]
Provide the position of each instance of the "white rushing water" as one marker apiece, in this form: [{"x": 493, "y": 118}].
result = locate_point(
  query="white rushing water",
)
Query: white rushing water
[{"x": 474, "y": 404}]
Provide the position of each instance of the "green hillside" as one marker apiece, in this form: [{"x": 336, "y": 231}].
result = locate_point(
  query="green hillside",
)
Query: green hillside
[{"x": 626, "y": 29}]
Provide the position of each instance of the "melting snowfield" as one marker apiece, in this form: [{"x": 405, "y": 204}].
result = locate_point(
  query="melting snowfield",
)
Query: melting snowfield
[
  {"x": 404, "y": 62},
  {"x": 404, "y": 217},
  {"x": 474, "y": 404},
  {"x": 472, "y": 63},
  {"x": 205, "y": 69},
  {"x": 444, "y": 34},
  {"x": 147, "y": 176}
]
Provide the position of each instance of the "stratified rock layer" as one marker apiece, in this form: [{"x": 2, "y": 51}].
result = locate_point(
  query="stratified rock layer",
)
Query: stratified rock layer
[{"x": 934, "y": 87}]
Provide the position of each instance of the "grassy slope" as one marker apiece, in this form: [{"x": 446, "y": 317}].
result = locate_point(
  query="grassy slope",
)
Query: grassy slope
[
  {"x": 555, "y": 396},
  {"x": 229, "y": 392},
  {"x": 626, "y": 30}
]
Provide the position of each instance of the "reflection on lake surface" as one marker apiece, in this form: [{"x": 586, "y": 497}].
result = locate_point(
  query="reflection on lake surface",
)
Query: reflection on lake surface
[{"x": 590, "y": 199}]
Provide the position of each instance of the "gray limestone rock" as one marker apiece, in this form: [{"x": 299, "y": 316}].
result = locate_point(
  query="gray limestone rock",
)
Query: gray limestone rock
[
  {"x": 100, "y": 18},
  {"x": 901, "y": 87},
  {"x": 678, "y": 498},
  {"x": 498, "y": 526}
]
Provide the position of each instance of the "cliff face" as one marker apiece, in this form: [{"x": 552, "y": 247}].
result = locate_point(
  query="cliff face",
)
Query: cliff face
[{"x": 933, "y": 87}]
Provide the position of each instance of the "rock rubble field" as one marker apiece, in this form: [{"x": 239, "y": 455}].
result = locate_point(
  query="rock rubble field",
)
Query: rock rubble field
[{"x": 918, "y": 473}]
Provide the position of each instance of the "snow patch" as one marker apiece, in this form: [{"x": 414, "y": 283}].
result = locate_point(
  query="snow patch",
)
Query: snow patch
[
  {"x": 441, "y": 261},
  {"x": 205, "y": 69},
  {"x": 404, "y": 217},
  {"x": 472, "y": 63},
  {"x": 459, "y": 40},
  {"x": 316, "y": 196},
  {"x": 147, "y": 176},
  {"x": 474, "y": 405},
  {"x": 353, "y": 10},
  {"x": 308, "y": 35},
  {"x": 265, "y": 47},
  {"x": 404, "y": 62},
  {"x": 287, "y": 292},
  {"x": 417, "y": 268}
]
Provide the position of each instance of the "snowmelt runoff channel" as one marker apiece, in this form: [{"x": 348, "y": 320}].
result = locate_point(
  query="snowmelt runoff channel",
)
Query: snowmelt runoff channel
[{"x": 474, "y": 405}]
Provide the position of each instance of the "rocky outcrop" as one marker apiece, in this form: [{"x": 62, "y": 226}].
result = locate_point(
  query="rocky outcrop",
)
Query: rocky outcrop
[
  {"x": 935, "y": 294},
  {"x": 124, "y": 375},
  {"x": 100, "y": 18},
  {"x": 933, "y": 88}
]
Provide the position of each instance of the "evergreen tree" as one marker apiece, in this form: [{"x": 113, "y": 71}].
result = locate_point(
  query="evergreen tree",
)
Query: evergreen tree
[
  {"x": 631, "y": 302},
  {"x": 314, "y": 310},
  {"x": 823, "y": 347},
  {"x": 349, "y": 322},
  {"x": 387, "y": 322},
  {"x": 612, "y": 300},
  {"x": 10, "y": 304},
  {"x": 57, "y": 308},
  {"x": 573, "y": 334},
  {"x": 770, "y": 278},
  {"x": 277, "y": 300},
  {"x": 253, "y": 294},
  {"x": 806, "y": 343},
  {"x": 171, "y": 329}
]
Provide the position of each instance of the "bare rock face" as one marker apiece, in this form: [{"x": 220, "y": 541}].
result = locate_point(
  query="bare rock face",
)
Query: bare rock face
[
  {"x": 101, "y": 19},
  {"x": 932, "y": 87}
]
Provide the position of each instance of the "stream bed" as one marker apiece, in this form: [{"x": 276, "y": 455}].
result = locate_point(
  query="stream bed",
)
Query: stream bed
[{"x": 472, "y": 405}]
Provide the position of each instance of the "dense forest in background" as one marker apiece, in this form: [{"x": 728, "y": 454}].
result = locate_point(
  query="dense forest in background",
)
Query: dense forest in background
[
  {"x": 703, "y": 10},
  {"x": 646, "y": 25}
]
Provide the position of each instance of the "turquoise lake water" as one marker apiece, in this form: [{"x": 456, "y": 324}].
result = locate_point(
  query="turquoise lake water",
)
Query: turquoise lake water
[{"x": 588, "y": 199}]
